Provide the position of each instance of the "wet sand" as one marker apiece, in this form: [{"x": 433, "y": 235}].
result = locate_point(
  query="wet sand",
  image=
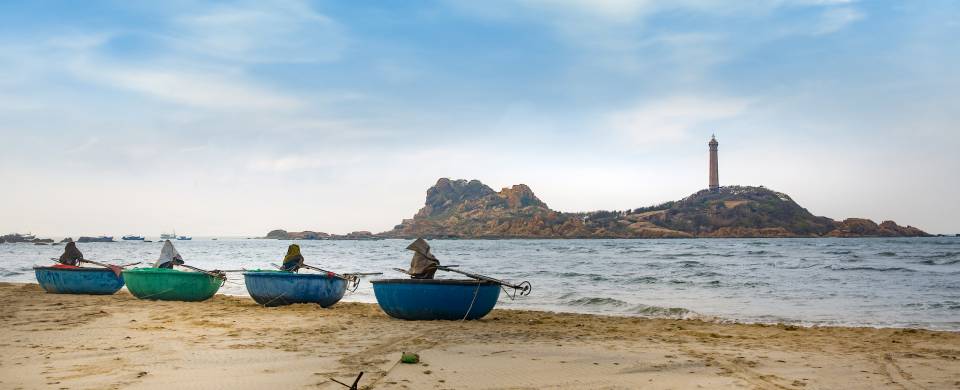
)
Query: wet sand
[{"x": 111, "y": 342}]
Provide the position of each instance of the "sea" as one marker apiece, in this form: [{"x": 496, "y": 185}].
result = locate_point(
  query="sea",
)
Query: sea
[{"x": 873, "y": 282}]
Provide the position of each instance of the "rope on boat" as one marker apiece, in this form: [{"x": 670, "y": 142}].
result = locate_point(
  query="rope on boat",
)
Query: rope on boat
[
  {"x": 274, "y": 299},
  {"x": 153, "y": 295},
  {"x": 475, "y": 292}
]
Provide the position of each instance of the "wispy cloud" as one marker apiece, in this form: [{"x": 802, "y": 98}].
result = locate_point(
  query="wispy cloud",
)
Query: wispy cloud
[
  {"x": 262, "y": 31},
  {"x": 196, "y": 89},
  {"x": 671, "y": 119},
  {"x": 835, "y": 19}
]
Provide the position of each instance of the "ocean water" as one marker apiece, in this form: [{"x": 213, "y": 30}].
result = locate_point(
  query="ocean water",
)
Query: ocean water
[{"x": 879, "y": 282}]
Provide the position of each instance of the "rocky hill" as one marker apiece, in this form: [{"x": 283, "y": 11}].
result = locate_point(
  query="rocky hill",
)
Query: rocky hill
[{"x": 470, "y": 209}]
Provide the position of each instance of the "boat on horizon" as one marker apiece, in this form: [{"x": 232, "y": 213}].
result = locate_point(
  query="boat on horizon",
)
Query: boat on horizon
[
  {"x": 169, "y": 236},
  {"x": 132, "y": 238},
  {"x": 83, "y": 239},
  {"x": 184, "y": 238}
]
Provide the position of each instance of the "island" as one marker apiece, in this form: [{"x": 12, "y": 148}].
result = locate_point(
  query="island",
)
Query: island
[{"x": 471, "y": 209}]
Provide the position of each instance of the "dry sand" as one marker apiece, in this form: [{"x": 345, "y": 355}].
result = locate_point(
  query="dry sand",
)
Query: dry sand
[{"x": 106, "y": 342}]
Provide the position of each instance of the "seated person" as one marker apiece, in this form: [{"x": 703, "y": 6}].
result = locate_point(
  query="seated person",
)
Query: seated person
[
  {"x": 71, "y": 255},
  {"x": 168, "y": 256},
  {"x": 424, "y": 264},
  {"x": 293, "y": 260}
]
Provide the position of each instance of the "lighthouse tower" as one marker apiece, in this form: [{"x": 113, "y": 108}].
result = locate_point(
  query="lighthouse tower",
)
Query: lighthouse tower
[{"x": 714, "y": 171}]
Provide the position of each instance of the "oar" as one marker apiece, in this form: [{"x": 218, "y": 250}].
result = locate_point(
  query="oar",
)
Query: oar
[
  {"x": 318, "y": 269},
  {"x": 100, "y": 264},
  {"x": 352, "y": 279},
  {"x": 217, "y": 274},
  {"x": 524, "y": 287},
  {"x": 364, "y": 273},
  {"x": 115, "y": 268}
]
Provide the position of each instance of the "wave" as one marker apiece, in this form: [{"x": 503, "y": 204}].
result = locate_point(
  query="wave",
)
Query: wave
[
  {"x": 880, "y": 269},
  {"x": 593, "y": 277},
  {"x": 934, "y": 262},
  {"x": 689, "y": 263},
  {"x": 596, "y": 301},
  {"x": 707, "y": 274},
  {"x": 839, "y": 252},
  {"x": 662, "y": 312},
  {"x": 887, "y": 254},
  {"x": 643, "y": 280}
]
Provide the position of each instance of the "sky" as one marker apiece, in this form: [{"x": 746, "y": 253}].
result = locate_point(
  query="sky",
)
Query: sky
[{"x": 235, "y": 118}]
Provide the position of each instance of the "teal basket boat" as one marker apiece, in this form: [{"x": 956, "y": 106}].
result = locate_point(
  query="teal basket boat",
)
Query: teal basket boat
[
  {"x": 76, "y": 280},
  {"x": 277, "y": 288},
  {"x": 171, "y": 285}
]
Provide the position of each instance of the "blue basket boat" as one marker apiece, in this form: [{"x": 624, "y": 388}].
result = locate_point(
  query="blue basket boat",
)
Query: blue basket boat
[
  {"x": 95, "y": 281},
  {"x": 278, "y": 288},
  {"x": 436, "y": 299}
]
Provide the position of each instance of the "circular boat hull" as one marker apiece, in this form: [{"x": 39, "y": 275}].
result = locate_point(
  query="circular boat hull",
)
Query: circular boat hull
[
  {"x": 278, "y": 288},
  {"x": 94, "y": 281},
  {"x": 435, "y": 299},
  {"x": 171, "y": 285}
]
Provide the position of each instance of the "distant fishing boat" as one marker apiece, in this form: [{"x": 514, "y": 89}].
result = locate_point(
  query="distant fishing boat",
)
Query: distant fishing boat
[
  {"x": 171, "y": 285},
  {"x": 132, "y": 238},
  {"x": 184, "y": 238},
  {"x": 168, "y": 236},
  {"x": 65, "y": 279},
  {"x": 96, "y": 239}
]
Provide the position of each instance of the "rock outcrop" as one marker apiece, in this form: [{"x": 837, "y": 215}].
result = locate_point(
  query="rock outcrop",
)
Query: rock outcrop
[
  {"x": 310, "y": 235},
  {"x": 470, "y": 209}
]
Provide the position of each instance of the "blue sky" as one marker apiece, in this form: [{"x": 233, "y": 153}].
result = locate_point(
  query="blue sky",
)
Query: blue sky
[{"x": 239, "y": 117}]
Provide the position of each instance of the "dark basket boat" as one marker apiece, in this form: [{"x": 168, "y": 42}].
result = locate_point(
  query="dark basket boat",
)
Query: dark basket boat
[
  {"x": 278, "y": 288},
  {"x": 78, "y": 280},
  {"x": 436, "y": 299}
]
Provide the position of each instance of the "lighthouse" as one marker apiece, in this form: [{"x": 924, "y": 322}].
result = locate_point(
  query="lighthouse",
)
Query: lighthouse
[{"x": 714, "y": 171}]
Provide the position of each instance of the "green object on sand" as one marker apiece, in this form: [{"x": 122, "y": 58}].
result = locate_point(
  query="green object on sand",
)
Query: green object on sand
[
  {"x": 410, "y": 358},
  {"x": 170, "y": 285}
]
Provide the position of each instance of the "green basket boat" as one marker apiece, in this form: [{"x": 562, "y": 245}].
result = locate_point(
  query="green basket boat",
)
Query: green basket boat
[{"x": 171, "y": 285}]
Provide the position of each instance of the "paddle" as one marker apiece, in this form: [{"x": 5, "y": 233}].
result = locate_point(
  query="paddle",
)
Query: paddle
[
  {"x": 214, "y": 273},
  {"x": 353, "y": 280},
  {"x": 524, "y": 287},
  {"x": 115, "y": 268}
]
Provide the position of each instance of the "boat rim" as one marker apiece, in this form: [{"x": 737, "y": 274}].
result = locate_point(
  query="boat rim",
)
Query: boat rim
[
  {"x": 85, "y": 269},
  {"x": 451, "y": 282},
  {"x": 274, "y": 274}
]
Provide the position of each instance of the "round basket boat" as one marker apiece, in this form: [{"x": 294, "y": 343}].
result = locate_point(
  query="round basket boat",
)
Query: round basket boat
[
  {"x": 436, "y": 299},
  {"x": 278, "y": 288},
  {"x": 171, "y": 285},
  {"x": 78, "y": 280}
]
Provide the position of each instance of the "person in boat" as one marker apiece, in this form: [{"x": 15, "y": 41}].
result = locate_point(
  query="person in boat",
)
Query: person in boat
[
  {"x": 293, "y": 260},
  {"x": 424, "y": 264},
  {"x": 71, "y": 255},
  {"x": 168, "y": 256}
]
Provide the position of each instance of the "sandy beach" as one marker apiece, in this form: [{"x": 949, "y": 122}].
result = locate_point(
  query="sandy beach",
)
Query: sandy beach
[{"x": 113, "y": 342}]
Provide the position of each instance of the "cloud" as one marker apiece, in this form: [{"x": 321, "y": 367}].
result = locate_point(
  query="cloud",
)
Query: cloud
[
  {"x": 199, "y": 89},
  {"x": 835, "y": 19},
  {"x": 262, "y": 31},
  {"x": 669, "y": 120}
]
